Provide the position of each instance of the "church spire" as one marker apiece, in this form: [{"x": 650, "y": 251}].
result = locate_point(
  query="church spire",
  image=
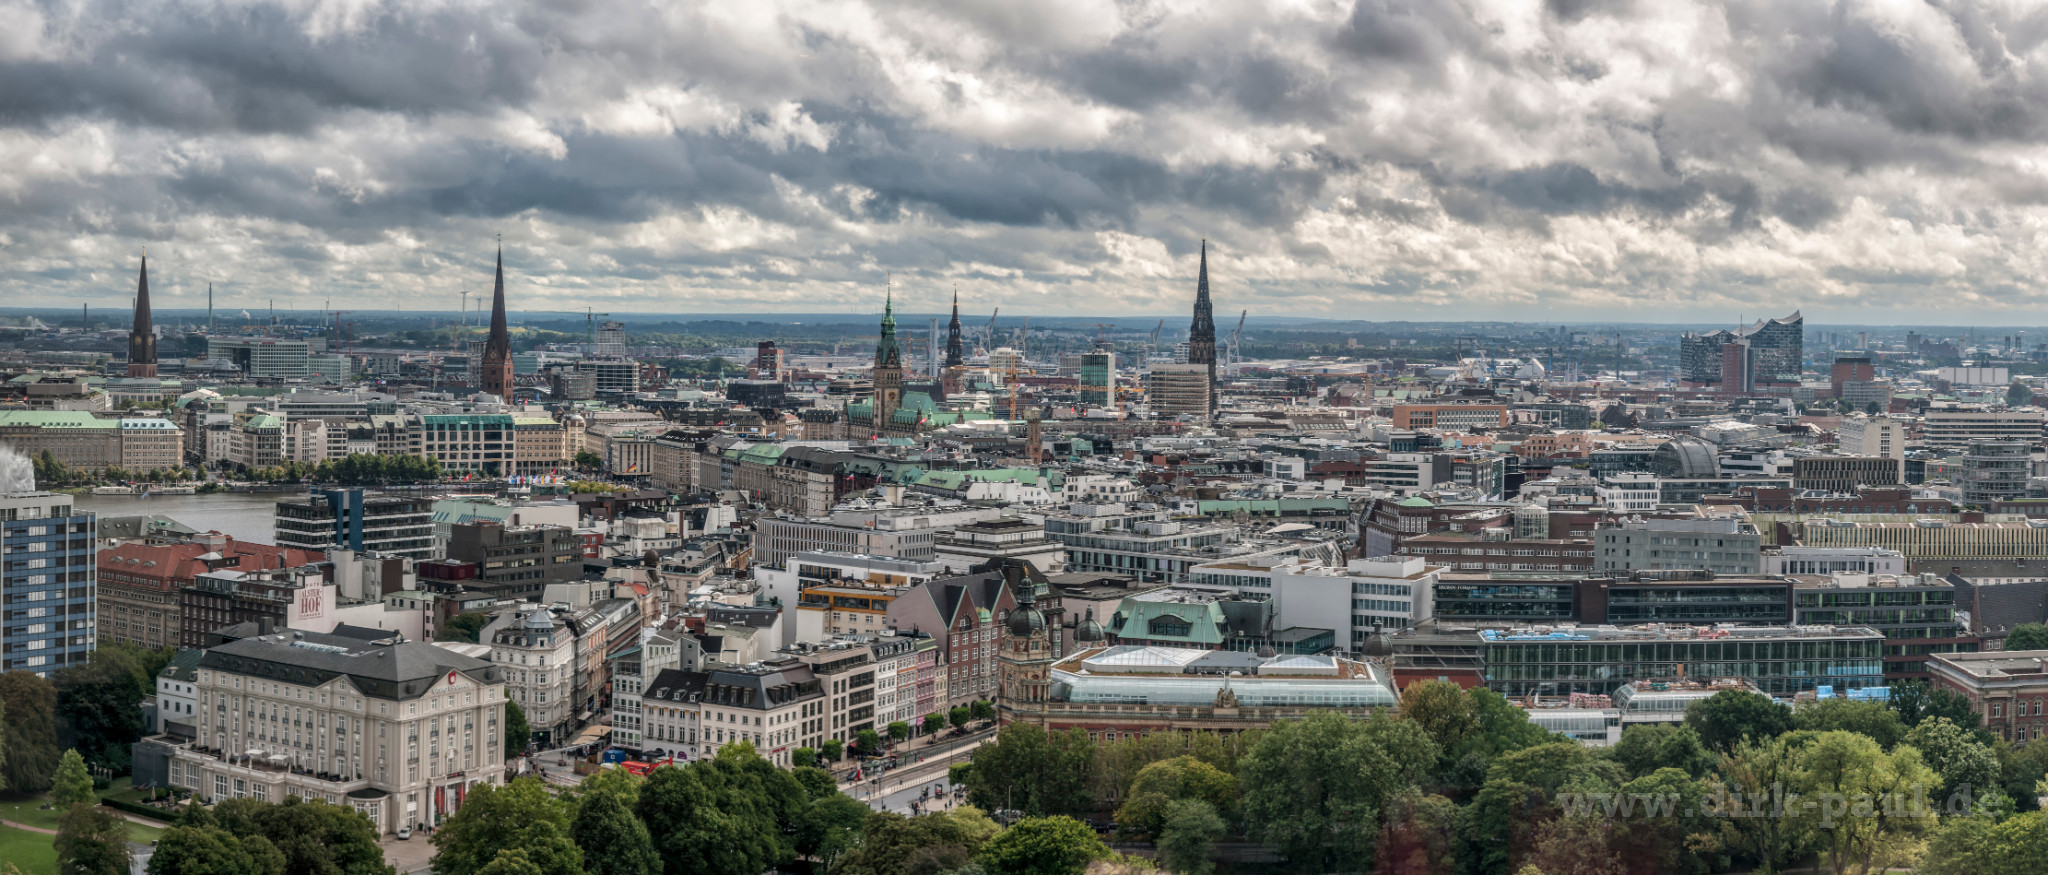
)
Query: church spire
[
  {"x": 955, "y": 347},
  {"x": 1202, "y": 334},
  {"x": 497, "y": 359},
  {"x": 142, "y": 337}
]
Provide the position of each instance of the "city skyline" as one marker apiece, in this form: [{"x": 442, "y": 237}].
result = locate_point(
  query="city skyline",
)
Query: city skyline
[{"x": 1531, "y": 162}]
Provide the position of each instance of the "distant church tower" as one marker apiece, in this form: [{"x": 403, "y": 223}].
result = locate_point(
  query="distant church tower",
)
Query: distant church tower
[
  {"x": 1202, "y": 334},
  {"x": 888, "y": 369},
  {"x": 955, "y": 349},
  {"x": 142, "y": 338},
  {"x": 497, "y": 364}
]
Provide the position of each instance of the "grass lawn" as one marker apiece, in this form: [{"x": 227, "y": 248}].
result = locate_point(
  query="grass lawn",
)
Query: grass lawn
[{"x": 35, "y": 853}]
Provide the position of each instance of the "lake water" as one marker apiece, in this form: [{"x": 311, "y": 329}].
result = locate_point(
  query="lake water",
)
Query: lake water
[{"x": 245, "y": 516}]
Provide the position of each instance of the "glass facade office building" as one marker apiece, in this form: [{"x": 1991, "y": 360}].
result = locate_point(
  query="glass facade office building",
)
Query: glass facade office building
[{"x": 1779, "y": 660}]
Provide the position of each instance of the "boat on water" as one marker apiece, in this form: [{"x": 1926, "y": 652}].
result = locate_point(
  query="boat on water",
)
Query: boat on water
[
  {"x": 113, "y": 490},
  {"x": 175, "y": 490}
]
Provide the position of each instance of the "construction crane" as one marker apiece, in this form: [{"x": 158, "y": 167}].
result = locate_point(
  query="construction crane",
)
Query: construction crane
[
  {"x": 988, "y": 335},
  {"x": 339, "y": 337},
  {"x": 1152, "y": 346},
  {"x": 590, "y": 317}
]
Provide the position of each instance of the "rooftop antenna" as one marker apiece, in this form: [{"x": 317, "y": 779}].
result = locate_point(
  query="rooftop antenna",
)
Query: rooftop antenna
[{"x": 209, "y": 308}]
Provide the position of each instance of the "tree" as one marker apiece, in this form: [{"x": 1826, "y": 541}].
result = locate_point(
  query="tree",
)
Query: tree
[
  {"x": 589, "y": 461},
  {"x": 92, "y": 841},
  {"x": 1983, "y": 846},
  {"x": 831, "y": 750},
  {"x": 981, "y": 709},
  {"x": 1646, "y": 747},
  {"x": 1043, "y": 846},
  {"x": 1313, "y": 788},
  {"x": 1575, "y": 844},
  {"x": 1864, "y": 818},
  {"x": 1965, "y": 764},
  {"x": 464, "y": 628},
  {"x": 2027, "y": 636},
  {"x": 97, "y": 702},
  {"x": 1874, "y": 719},
  {"x": 510, "y": 861},
  {"x": 1163, "y": 783},
  {"x": 1521, "y": 794},
  {"x": 1442, "y": 710},
  {"x": 959, "y": 717},
  {"x": 869, "y": 742},
  {"x": 831, "y": 823},
  {"x": 803, "y": 757},
  {"x": 1725, "y": 718},
  {"x": 892, "y": 844},
  {"x": 1752, "y": 785},
  {"x": 30, "y": 704},
  {"x": 523, "y": 814},
  {"x": 2018, "y": 395},
  {"x": 517, "y": 734},
  {"x": 716, "y": 816},
  {"x": 1916, "y": 701},
  {"x": 209, "y": 850},
  {"x": 304, "y": 838},
  {"x": 72, "y": 784},
  {"x": 1419, "y": 836},
  {"x": 1033, "y": 771},
  {"x": 933, "y": 723},
  {"x": 611, "y": 837},
  {"x": 898, "y": 730},
  {"x": 1188, "y": 837}
]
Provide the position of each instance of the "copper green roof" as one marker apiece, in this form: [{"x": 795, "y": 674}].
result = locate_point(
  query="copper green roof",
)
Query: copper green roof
[{"x": 55, "y": 419}]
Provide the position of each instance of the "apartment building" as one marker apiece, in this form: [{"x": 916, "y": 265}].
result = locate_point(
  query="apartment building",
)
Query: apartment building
[
  {"x": 537, "y": 652},
  {"x": 140, "y": 584},
  {"x": 516, "y": 561},
  {"x": 1872, "y": 436},
  {"x": 47, "y": 583},
  {"x": 777, "y": 706},
  {"x": 905, "y": 533},
  {"x": 1720, "y": 545}
]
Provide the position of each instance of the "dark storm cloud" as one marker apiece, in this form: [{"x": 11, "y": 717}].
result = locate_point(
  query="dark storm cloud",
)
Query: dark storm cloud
[{"x": 1065, "y": 154}]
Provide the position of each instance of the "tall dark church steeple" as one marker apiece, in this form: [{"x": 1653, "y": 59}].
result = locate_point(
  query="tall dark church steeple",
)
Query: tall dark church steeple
[
  {"x": 1202, "y": 334},
  {"x": 955, "y": 350},
  {"x": 888, "y": 369},
  {"x": 497, "y": 363},
  {"x": 142, "y": 338}
]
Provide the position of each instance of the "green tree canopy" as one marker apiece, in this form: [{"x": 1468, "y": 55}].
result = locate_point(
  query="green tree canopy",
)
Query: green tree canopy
[
  {"x": 517, "y": 734},
  {"x": 1874, "y": 719},
  {"x": 1163, "y": 783},
  {"x": 832, "y": 823},
  {"x": 891, "y": 844},
  {"x": 2027, "y": 636},
  {"x": 1187, "y": 837},
  {"x": 1984, "y": 846},
  {"x": 611, "y": 836},
  {"x": 207, "y": 850},
  {"x": 1033, "y": 771},
  {"x": 1054, "y": 845},
  {"x": 1725, "y": 718},
  {"x": 712, "y": 817},
  {"x": 30, "y": 733},
  {"x": 1313, "y": 788},
  {"x": 1964, "y": 762},
  {"x": 524, "y": 814},
  {"x": 1916, "y": 701},
  {"x": 72, "y": 784},
  {"x": 92, "y": 841},
  {"x": 1647, "y": 747}
]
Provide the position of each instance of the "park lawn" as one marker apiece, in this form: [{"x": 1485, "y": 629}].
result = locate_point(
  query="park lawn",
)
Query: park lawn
[{"x": 34, "y": 852}]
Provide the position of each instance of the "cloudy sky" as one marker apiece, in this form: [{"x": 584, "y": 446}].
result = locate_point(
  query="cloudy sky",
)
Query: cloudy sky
[{"x": 1656, "y": 160}]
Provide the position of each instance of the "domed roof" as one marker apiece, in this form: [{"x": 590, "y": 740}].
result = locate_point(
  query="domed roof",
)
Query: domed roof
[
  {"x": 1026, "y": 621},
  {"x": 1685, "y": 456},
  {"x": 1089, "y": 631},
  {"x": 539, "y": 620}
]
